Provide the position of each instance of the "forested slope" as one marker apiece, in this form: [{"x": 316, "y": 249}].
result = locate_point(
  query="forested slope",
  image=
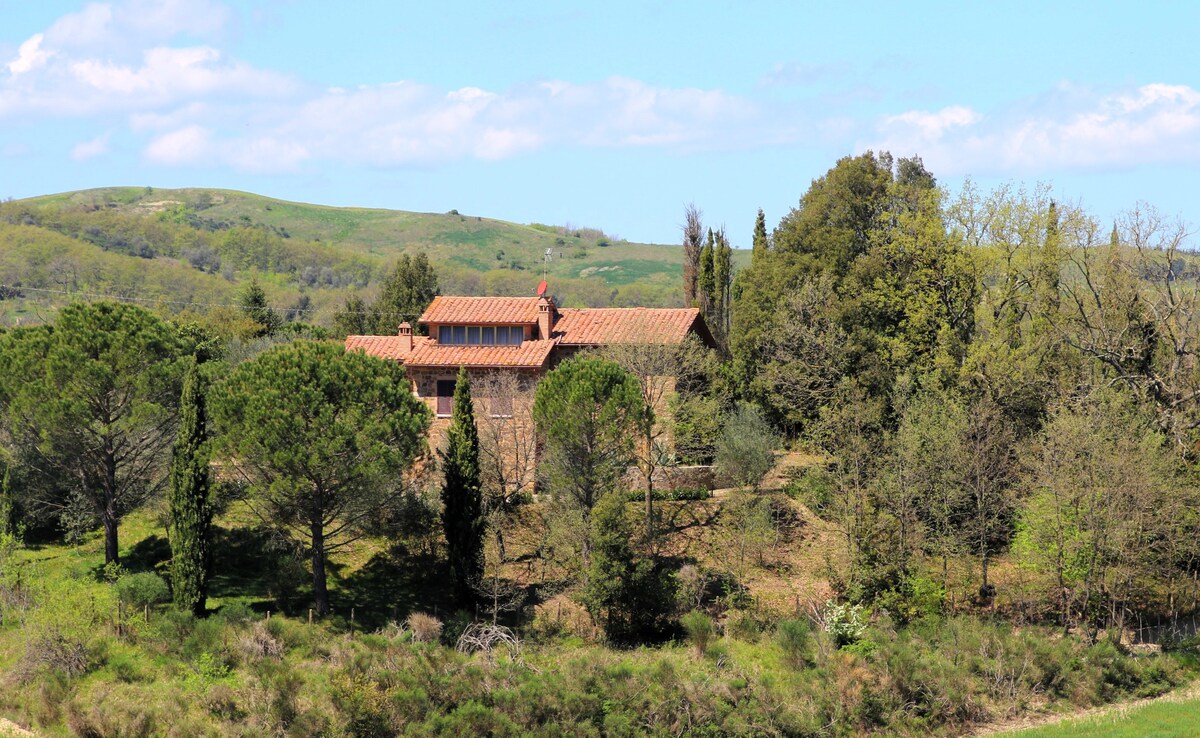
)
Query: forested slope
[{"x": 172, "y": 247}]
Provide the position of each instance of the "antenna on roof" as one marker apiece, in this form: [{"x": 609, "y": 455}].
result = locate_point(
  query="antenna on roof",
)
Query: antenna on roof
[{"x": 546, "y": 262}]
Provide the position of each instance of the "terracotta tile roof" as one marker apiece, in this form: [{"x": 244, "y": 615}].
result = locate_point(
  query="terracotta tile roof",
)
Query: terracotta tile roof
[
  {"x": 597, "y": 326},
  {"x": 385, "y": 347},
  {"x": 529, "y": 354},
  {"x": 481, "y": 310}
]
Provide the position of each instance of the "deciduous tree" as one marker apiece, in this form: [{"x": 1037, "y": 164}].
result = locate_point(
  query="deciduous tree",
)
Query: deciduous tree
[
  {"x": 693, "y": 242},
  {"x": 658, "y": 368}
]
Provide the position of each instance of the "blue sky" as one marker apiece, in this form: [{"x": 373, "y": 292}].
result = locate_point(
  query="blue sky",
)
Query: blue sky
[{"x": 612, "y": 115}]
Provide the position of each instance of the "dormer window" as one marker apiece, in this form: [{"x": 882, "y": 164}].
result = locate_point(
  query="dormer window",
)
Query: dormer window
[{"x": 481, "y": 335}]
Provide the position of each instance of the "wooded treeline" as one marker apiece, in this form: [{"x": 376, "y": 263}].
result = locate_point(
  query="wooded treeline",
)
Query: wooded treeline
[
  {"x": 994, "y": 385},
  {"x": 987, "y": 375}
]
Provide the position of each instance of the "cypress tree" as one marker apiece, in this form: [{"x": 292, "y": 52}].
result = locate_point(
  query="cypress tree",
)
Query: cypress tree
[
  {"x": 722, "y": 285},
  {"x": 254, "y": 305},
  {"x": 352, "y": 319},
  {"x": 462, "y": 494},
  {"x": 191, "y": 516},
  {"x": 760, "y": 244},
  {"x": 409, "y": 288},
  {"x": 707, "y": 274},
  {"x": 629, "y": 594}
]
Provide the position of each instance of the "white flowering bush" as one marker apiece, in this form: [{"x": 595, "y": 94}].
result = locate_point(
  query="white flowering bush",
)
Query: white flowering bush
[{"x": 845, "y": 623}]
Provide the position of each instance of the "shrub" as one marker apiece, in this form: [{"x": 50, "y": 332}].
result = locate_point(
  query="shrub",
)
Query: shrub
[
  {"x": 142, "y": 590},
  {"x": 917, "y": 598},
  {"x": 259, "y": 643},
  {"x": 745, "y": 450},
  {"x": 813, "y": 489},
  {"x": 844, "y": 623},
  {"x": 700, "y": 630},
  {"x": 682, "y": 494},
  {"x": 692, "y": 583},
  {"x": 172, "y": 628},
  {"x": 425, "y": 627},
  {"x": 237, "y": 613},
  {"x": 61, "y": 626},
  {"x": 793, "y": 637},
  {"x": 207, "y": 636},
  {"x": 126, "y": 667},
  {"x": 743, "y": 626}
]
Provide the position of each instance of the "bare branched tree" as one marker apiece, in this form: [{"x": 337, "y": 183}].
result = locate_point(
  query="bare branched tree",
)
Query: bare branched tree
[
  {"x": 657, "y": 367},
  {"x": 1134, "y": 306},
  {"x": 693, "y": 242},
  {"x": 507, "y": 446}
]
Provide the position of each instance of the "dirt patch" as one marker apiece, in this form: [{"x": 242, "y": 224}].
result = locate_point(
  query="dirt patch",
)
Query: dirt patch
[
  {"x": 9, "y": 729},
  {"x": 155, "y": 207}
]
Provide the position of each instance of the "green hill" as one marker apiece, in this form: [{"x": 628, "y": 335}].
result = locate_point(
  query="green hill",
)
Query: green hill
[{"x": 195, "y": 245}]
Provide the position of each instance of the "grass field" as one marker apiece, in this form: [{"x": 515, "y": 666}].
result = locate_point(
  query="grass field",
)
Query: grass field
[{"x": 1174, "y": 716}]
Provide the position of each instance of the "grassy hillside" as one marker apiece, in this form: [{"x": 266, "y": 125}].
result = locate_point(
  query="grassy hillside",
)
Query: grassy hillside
[
  {"x": 257, "y": 666},
  {"x": 100, "y": 237}
]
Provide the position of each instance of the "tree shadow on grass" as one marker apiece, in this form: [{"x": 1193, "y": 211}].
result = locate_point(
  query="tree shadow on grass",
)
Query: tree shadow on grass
[
  {"x": 149, "y": 554},
  {"x": 392, "y": 585},
  {"x": 248, "y": 564}
]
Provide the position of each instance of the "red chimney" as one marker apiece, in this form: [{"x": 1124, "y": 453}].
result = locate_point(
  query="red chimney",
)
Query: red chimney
[
  {"x": 406, "y": 339},
  {"x": 547, "y": 315}
]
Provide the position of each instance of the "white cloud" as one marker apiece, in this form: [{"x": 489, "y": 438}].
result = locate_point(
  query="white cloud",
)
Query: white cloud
[
  {"x": 176, "y": 73},
  {"x": 117, "y": 26},
  {"x": 118, "y": 57},
  {"x": 410, "y": 124},
  {"x": 932, "y": 126},
  {"x": 1067, "y": 128},
  {"x": 91, "y": 148},
  {"x": 198, "y": 107},
  {"x": 30, "y": 55},
  {"x": 190, "y": 145}
]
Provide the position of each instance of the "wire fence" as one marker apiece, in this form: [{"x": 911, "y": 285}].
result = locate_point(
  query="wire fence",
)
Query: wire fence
[{"x": 1158, "y": 632}]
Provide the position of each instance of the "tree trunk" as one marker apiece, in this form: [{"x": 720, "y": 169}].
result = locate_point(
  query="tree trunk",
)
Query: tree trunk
[
  {"x": 648, "y": 439},
  {"x": 111, "y": 552},
  {"x": 586, "y": 544},
  {"x": 320, "y": 592},
  {"x": 650, "y": 507}
]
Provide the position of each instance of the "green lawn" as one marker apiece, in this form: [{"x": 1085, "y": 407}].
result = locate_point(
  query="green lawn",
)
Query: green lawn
[{"x": 1169, "y": 718}]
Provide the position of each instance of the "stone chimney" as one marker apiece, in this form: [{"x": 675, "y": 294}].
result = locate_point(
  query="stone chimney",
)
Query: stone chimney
[
  {"x": 406, "y": 339},
  {"x": 547, "y": 315}
]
